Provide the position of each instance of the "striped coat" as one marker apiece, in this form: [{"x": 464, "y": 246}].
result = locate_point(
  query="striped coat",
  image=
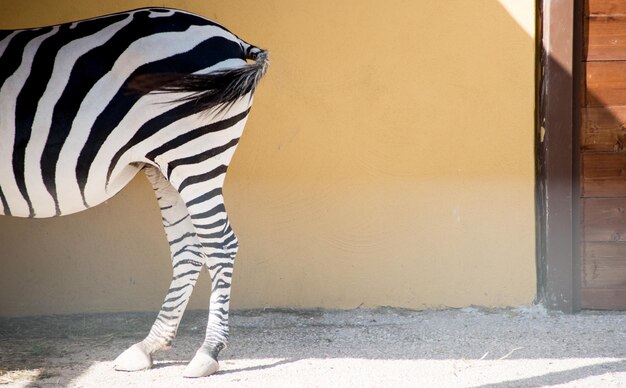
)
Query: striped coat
[{"x": 85, "y": 106}]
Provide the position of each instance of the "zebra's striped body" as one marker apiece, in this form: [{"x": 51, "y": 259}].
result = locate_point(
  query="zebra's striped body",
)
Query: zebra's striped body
[{"x": 84, "y": 106}]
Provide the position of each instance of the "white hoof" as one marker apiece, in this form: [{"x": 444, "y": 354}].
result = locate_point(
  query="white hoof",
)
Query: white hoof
[
  {"x": 133, "y": 359},
  {"x": 201, "y": 365}
]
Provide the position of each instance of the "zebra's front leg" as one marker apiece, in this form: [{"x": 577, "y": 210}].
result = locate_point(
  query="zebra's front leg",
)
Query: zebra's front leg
[
  {"x": 187, "y": 261},
  {"x": 220, "y": 248}
]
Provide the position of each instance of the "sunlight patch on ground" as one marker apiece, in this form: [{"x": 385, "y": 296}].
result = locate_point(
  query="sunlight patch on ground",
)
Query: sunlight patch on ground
[
  {"x": 24, "y": 377},
  {"x": 340, "y": 372}
]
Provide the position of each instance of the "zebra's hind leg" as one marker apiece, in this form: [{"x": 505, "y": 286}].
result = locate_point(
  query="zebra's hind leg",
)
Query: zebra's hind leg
[
  {"x": 187, "y": 261},
  {"x": 220, "y": 246}
]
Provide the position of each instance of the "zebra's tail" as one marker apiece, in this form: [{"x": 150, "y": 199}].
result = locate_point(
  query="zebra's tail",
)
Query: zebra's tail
[{"x": 220, "y": 87}]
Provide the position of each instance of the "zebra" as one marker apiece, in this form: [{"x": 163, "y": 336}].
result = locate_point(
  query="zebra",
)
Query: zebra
[{"x": 86, "y": 105}]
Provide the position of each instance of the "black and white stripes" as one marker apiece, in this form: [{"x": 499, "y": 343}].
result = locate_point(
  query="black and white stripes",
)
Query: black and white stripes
[{"x": 84, "y": 106}]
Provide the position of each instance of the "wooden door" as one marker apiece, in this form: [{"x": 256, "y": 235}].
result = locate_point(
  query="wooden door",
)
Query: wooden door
[{"x": 603, "y": 156}]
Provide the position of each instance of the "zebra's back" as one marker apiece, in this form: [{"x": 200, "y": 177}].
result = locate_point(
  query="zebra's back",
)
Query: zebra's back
[{"x": 75, "y": 127}]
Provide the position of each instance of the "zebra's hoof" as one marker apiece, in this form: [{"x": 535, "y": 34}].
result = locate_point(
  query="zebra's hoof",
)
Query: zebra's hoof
[
  {"x": 133, "y": 359},
  {"x": 201, "y": 365}
]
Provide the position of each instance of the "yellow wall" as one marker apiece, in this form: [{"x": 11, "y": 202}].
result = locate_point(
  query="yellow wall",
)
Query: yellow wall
[{"x": 388, "y": 161}]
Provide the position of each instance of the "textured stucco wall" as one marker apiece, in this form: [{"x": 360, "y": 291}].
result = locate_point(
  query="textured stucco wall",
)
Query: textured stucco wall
[{"x": 388, "y": 161}]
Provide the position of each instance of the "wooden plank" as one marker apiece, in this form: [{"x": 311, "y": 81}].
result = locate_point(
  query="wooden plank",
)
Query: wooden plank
[
  {"x": 605, "y": 7},
  {"x": 605, "y": 38},
  {"x": 604, "y": 129},
  {"x": 603, "y": 298},
  {"x": 604, "y": 265},
  {"x": 604, "y": 219},
  {"x": 606, "y": 83},
  {"x": 604, "y": 175},
  {"x": 557, "y": 109}
]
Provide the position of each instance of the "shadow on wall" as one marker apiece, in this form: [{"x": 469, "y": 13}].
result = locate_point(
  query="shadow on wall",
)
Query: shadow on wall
[{"x": 399, "y": 173}]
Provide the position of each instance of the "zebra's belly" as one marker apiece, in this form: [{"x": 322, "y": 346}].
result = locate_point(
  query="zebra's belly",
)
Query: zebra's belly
[
  {"x": 100, "y": 192},
  {"x": 68, "y": 198}
]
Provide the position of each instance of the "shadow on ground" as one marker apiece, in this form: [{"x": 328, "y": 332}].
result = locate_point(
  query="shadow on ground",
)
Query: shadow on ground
[{"x": 521, "y": 347}]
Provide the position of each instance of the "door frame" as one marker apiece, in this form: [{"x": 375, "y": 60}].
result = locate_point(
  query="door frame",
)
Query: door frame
[{"x": 558, "y": 205}]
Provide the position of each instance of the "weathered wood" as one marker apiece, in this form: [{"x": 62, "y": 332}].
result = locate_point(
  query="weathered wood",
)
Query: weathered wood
[
  {"x": 558, "y": 272},
  {"x": 605, "y": 7},
  {"x": 604, "y": 265},
  {"x": 603, "y": 298},
  {"x": 604, "y": 175},
  {"x": 606, "y": 83},
  {"x": 605, "y": 38},
  {"x": 602, "y": 153},
  {"x": 604, "y": 219},
  {"x": 604, "y": 129}
]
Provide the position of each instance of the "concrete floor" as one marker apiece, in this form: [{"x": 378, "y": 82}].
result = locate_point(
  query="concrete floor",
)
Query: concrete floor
[{"x": 524, "y": 347}]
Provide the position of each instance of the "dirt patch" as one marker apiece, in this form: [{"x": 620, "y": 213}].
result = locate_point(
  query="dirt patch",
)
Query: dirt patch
[{"x": 385, "y": 347}]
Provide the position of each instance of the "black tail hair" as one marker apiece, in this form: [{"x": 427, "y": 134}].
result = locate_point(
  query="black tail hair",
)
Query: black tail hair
[{"x": 220, "y": 87}]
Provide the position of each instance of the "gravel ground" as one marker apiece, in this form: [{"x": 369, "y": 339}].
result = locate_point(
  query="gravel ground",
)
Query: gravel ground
[{"x": 524, "y": 347}]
